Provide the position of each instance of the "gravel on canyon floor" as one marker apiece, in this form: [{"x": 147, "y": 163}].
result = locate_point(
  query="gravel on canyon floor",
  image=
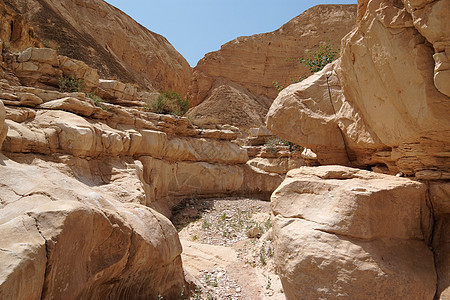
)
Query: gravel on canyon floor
[{"x": 227, "y": 248}]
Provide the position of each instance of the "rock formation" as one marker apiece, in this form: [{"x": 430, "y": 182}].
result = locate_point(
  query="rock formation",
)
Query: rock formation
[
  {"x": 85, "y": 185},
  {"x": 382, "y": 106},
  {"x": 103, "y": 37},
  {"x": 378, "y": 106},
  {"x": 352, "y": 234},
  {"x": 245, "y": 68}
]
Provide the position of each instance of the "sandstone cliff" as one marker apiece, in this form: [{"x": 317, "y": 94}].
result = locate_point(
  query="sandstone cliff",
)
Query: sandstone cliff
[
  {"x": 256, "y": 61},
  {"x": 103, "y": 37},
  {"x": 382, "y": 106},
  {"x": 85, "y": 185}
]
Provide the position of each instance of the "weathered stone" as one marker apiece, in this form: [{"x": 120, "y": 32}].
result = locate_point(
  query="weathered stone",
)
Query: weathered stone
[
  {"x": 21, "y": 139},
  {"x": 276, "y": 165},
  {"x": 377, "y": 105},
  {"x": 235, "y": 84},
  {"x": 107, "y": 35},
  {"x": 80, "y": 70},
  {"x": 41, "y": 55},
  {"x": 3, "y": 126},
  {"x": 200, "y": 149},
  {"x": 342, "y": 232},
  {"x": 259, "y": 183},
  {"x": 170, "y": 181},
  {"x": 84, "y": 108},
  {"x": 23, "y": 99},
  {"x": 78, "y": 236}
]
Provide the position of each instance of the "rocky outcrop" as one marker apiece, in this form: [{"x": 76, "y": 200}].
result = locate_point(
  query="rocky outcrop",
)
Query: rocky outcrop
[
  {"x": 72, "y": 223},
  {"x": 15, "y": 31},
  {"x": 346, "y": 233},
  {"x": 108, "y": 40},
  {"x": 61, "y": 232},
  {"x": 256, "y": 61},
  {"x": 381, "y": 106},
  {"x": 85, "y": 184},
  {"x": 378, "y": 106}
]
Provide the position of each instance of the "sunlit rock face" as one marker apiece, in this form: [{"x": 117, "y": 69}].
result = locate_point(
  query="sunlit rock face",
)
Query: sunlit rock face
[
  {"x": 105, "y": 38},
  {"x": 234, "y": 85},
  {"x": 381, "y": 105}
]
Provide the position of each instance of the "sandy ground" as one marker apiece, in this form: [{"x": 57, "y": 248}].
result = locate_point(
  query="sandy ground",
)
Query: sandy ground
[{"x": 227, "y": 248}]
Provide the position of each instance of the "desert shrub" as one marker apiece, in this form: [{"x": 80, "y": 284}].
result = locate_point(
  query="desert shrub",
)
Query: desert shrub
[
  {"x": 169, "y": 103},
  {"x": 273, "y": 144},
  {"x": 98, "y": 101},
  {"x": 315, "y": 61},
  {"x": 70, "y": 84}
]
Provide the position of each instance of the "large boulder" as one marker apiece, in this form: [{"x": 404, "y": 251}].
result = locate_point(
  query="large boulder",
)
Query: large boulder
[
  {"x": 381, "y": 105},
  {"x": 60, "y": 232},
  {"x": 439, "y": 192},
  {"x": 347, "y": 233}
]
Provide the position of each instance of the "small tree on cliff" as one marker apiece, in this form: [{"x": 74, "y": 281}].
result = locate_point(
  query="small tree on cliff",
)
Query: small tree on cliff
[{"x": 315, "y": 61}]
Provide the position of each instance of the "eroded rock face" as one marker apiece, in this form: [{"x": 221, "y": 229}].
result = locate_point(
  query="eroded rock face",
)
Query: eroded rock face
[
  {"x": 107, "y": 39},
  {"x": 256, "y": 61},
  {"x": 61, "y": 232},
  {"x": 3, "y": 126},
  {"x": 381, "y": 105},
  {"x": 346, "y": 233}
]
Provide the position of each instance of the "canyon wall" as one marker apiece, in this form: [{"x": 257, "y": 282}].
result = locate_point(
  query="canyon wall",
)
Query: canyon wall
[
  {"x": 86, "y": 186},
  {"x": 238, "y": 78},
  {"x": 382, "y": 106},
  {"x": 103, "y": 37},
  {"x": 378, "y": 106}
]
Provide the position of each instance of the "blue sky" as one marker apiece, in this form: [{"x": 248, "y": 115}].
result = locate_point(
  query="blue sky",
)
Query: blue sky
[{"x": 197, "y": 27}]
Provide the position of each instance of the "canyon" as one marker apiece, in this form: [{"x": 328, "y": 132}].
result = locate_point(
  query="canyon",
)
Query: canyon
[{"x": 91, "y": 187}]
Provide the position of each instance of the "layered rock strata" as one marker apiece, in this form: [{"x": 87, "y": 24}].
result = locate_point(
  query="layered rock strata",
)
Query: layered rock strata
[
  {"x": 84, "y": 184},
  {"x": 379, "y": 105},
  {"x": 104, "y": 37},
  {"x": 346, "y": 233},
  {"x": 240, "y": 76}
]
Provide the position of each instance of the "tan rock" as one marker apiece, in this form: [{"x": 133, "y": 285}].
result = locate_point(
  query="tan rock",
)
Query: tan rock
[
  {"x": 23, "y": 99},
  {"x": 62, "y": 232},
  {"x": 80, "y": 70},
  {"x": 42, "y": 55},
  {"x": 111, "y": 88},
  {"x": 229, "y": 103},
  {"x": 113, "y": 43},
  {"x": 316, "y": 264},
  {"x": 21, "y": 139},
  {"x": 19, "y": 36},
  {"x": 384, "y": 108},
  {"x": 255, "y": 62},
  {"x": 84, "y": 108},
  {"x": 441, "y": 247},
  {"x": 259, "y": 183},
  {"x": 170, "y": 181},
  {"x": 276, "y": 165},
  {"x": 19, "y": 115},
  {"x": 23, "y": 259},
  {"x": 3, "y": 126},
  {"x": 235, "y": 85},
  {"x": 342, "y": 232},
  {"x": 200, "y": 149}
]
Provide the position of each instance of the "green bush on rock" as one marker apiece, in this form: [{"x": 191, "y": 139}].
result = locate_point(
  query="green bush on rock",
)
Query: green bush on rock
[{"x": 169, "y": 103}]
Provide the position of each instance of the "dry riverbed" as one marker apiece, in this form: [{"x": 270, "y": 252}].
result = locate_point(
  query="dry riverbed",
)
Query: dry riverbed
[{"x": 227, "y": 248}]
